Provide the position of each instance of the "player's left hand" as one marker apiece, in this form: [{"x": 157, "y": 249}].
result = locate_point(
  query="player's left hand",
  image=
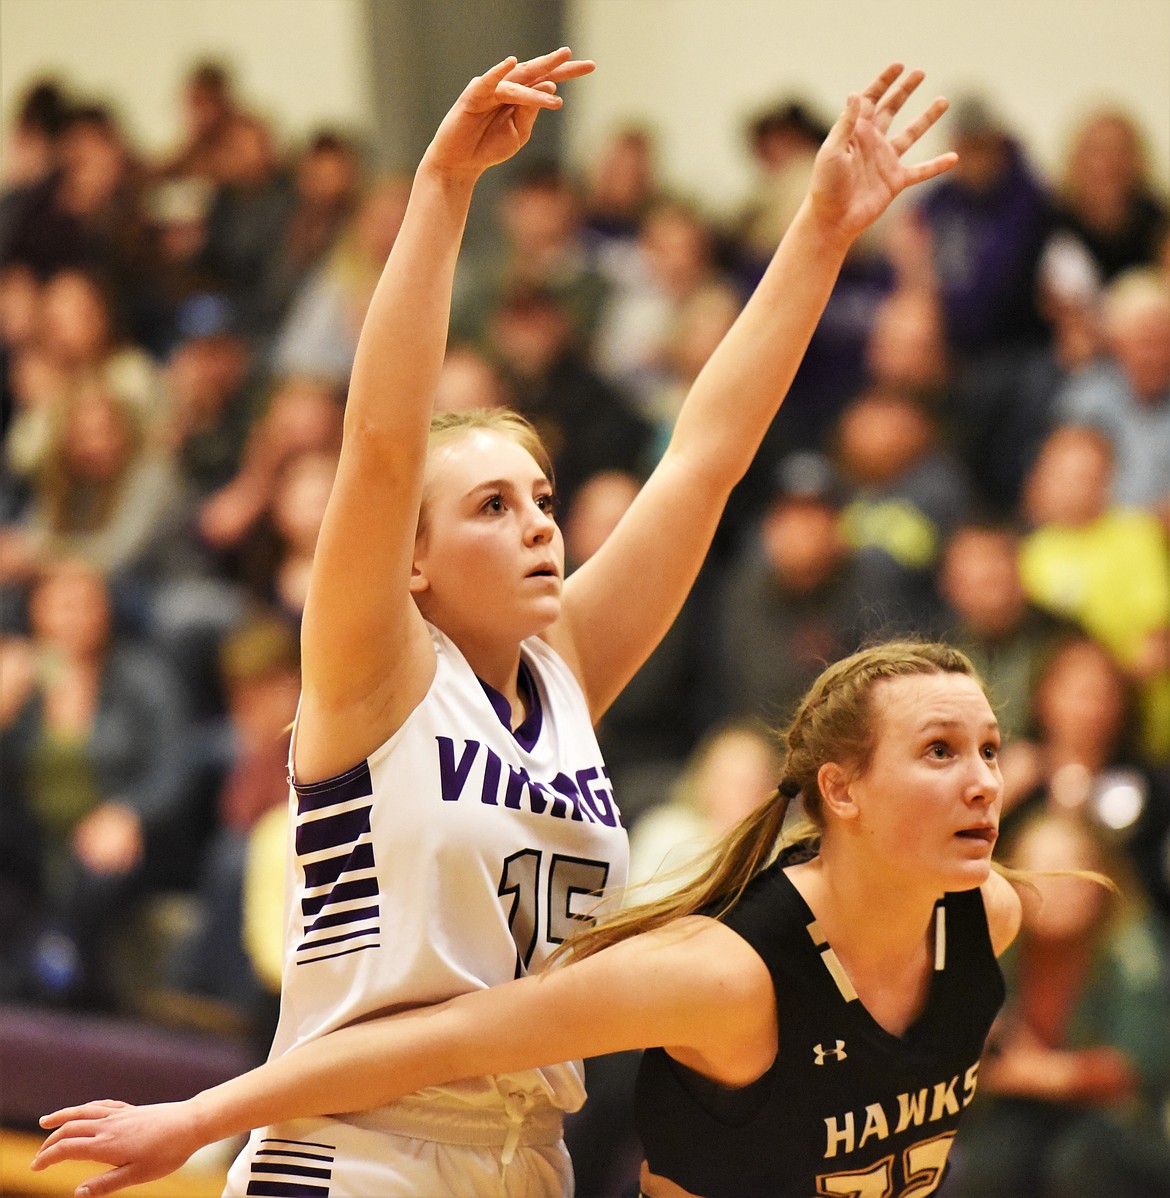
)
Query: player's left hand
[
  {"x": 142, "y": 1143},
  {"x": 859, "y": 168}
]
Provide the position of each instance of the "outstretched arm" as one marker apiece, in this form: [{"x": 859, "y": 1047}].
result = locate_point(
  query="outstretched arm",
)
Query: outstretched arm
[
  {"x": 660, "y": 544},
  {"x": 366, "y": 659},
  {"x": 694, "y": 986}
]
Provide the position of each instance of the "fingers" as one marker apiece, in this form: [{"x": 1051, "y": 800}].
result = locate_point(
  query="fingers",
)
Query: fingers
[
  {"x": 892, "y": 103},
  {"x": 933, "y": 166},
  {"x": 111, "y": 1180},
  {"x": 89, "y": 1110},
  {"x": 843, "y": 127},
  {"x": 541, "y": 95},
  {"x": 881, "y": 84},
  {"x": 917, "y": 127},
  {"x": 556, "y": 66}
]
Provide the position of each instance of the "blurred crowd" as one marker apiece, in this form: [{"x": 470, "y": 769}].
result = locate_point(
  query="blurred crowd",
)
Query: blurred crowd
[{"x": 977, "y": 446}]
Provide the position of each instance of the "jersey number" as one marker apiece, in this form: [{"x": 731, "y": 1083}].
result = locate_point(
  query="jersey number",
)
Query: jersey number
[
  {"x": 922, "y": 1164},
  {"x": 525, "y": 879}
]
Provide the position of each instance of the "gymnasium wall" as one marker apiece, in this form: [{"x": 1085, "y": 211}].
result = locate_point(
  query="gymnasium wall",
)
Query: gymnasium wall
[{"x": 694, "y": 68}]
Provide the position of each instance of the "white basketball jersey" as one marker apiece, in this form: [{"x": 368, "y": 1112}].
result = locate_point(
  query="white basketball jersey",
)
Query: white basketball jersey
[{"x": 456, "y": 857}]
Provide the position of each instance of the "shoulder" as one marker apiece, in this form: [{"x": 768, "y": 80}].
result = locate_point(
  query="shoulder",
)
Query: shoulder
[{"x": 1001, "y": 902}]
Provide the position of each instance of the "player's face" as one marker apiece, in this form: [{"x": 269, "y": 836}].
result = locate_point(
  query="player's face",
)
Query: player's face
[
  {"x": 489, "y": 561},
  {"x": 930, "y": 798}
]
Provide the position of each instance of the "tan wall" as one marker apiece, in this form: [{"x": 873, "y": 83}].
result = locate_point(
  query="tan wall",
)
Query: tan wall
[
  {"x": 696, "y": 67},
  {"x": 692, "y": 67},
  {"x": 300, "y": 62}
]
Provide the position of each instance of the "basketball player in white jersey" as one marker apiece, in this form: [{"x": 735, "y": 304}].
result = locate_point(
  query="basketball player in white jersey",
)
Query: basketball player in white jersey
[{"x": 451, "y": 814}]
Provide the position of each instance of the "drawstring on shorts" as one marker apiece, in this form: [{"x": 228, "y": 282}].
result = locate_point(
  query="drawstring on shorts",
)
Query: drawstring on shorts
[{"x": 517, "y": 1105}]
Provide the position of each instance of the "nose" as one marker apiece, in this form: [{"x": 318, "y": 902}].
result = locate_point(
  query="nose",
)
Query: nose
[
  {"x": 541, "y": 525},
  {"x": 986, "y": 783}
]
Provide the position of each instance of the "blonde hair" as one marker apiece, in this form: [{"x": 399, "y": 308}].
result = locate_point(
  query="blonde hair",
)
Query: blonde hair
[
  {"x": 449, "y": 426},
  {"x": 836, "y": 721}
]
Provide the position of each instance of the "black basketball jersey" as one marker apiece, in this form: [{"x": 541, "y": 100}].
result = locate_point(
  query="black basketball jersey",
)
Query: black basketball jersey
[{"x": 846, "y": 1108}]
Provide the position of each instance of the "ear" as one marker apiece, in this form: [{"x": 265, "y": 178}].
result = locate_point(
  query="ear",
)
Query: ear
[
  {"x": 419, "y": 581},
  {"x": 834, "y": 781}
]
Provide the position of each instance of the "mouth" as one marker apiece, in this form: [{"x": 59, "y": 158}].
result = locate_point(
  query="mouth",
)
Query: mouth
[
  {"x": 986, "y": 833},
  {"x": 543, "y": 572}
]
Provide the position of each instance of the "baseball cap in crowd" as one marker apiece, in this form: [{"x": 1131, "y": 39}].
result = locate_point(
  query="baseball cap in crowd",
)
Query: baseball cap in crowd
[
  {"x": 207, "y": 314},
  {"x": 809, "y": 476}
]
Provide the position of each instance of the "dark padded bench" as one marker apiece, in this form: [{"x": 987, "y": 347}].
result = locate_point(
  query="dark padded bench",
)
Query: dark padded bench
[{"x": 50, "y": 1059}]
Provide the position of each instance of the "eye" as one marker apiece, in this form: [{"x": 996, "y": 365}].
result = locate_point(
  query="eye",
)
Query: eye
[
  {"x": 938, "y": 750},
  {"x": 547, "y": 504},
  {"x": 493, "y": 503},
  {"x": 990, "y": 751}
]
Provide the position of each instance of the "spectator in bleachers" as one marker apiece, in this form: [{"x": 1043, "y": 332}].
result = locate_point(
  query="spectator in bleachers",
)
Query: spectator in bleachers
[
  {"x": 1126, "y": 394},
  {"x": 1106, "y": 196},
  {"x": 1082, "y": 751},
  {"x": 20, "y": 295},
  {"x": 32, "y": 151},
  {"x": 991, "y": 619},
  {"x": 666, "y": 273},
  {"x": 1102, "y": 565},
  {"x": 621, "y": 185},
  {"x": 303, "y": 416},
  {"x": 544, "y": 247},
  {"x": 988, "y": 220},
  {"x": 783, "y": 140},
  {"x": 1004, "y": 404},
  {"x": 586, "y": 423},
  {"x": 1074, "y": 1082},
  {"x": 326, "y": 179},
  {"x": 791, "y": 600},
  {"x": 78, "y": 343},
  {"x": 92, "y": 727},
  {"x": 88, "y": 213},
  {"x": 242, "y": 764},
  {"x": 908, "y": 493},
  {"x": 249, "y": 215},
  {"x": 102, "y": 492},
  {"x": 209, "y": 105},
  {"x": 651, "y": 727},
  {"x": 469, "y": 379},
  {"x": 728, "y": 774},
  {"x": 211, "y": 401},
  {"x": 318, "y": 336}
]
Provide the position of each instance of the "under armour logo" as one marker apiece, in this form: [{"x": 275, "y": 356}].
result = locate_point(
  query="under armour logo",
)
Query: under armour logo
[{"x": 821, "y": 1053}]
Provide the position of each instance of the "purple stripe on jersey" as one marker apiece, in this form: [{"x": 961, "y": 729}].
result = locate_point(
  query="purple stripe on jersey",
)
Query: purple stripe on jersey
[
  {"x": 528, "y": 733},
  {"x": 361, "y": 948},
  {"x": 292, "y": 1170},
  {"x": 333, "y": 830},
  {"x": 339, "y": 918},
  {"x": 353, "y": 784},
  {"x": 261, "y": 1188},
  {"x": 263, "y": 1174},
  {"x": 324, "y": 873},
  {"x": 322, "y": 941},
  {"x": 359, "y": 888},
  {"x": 305, "y": 1156}
]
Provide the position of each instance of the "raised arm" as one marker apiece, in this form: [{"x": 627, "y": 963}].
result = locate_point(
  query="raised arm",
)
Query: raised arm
[
  {"x": 620, "y": 603},
  {"x": 366, "y": 657},
  {"x": 694, "y": 986}
]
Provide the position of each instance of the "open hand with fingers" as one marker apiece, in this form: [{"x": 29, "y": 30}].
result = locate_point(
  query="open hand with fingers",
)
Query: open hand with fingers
[
  {"x": 494, "y": 116},
  {"x": 859, "y": 168},
  {"x": 142, "y": 1142}
]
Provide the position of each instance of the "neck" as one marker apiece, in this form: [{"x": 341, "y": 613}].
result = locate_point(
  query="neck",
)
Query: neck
[
  {"x": 867, "y": 909},
  {"x": 499, "y": 667}
]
